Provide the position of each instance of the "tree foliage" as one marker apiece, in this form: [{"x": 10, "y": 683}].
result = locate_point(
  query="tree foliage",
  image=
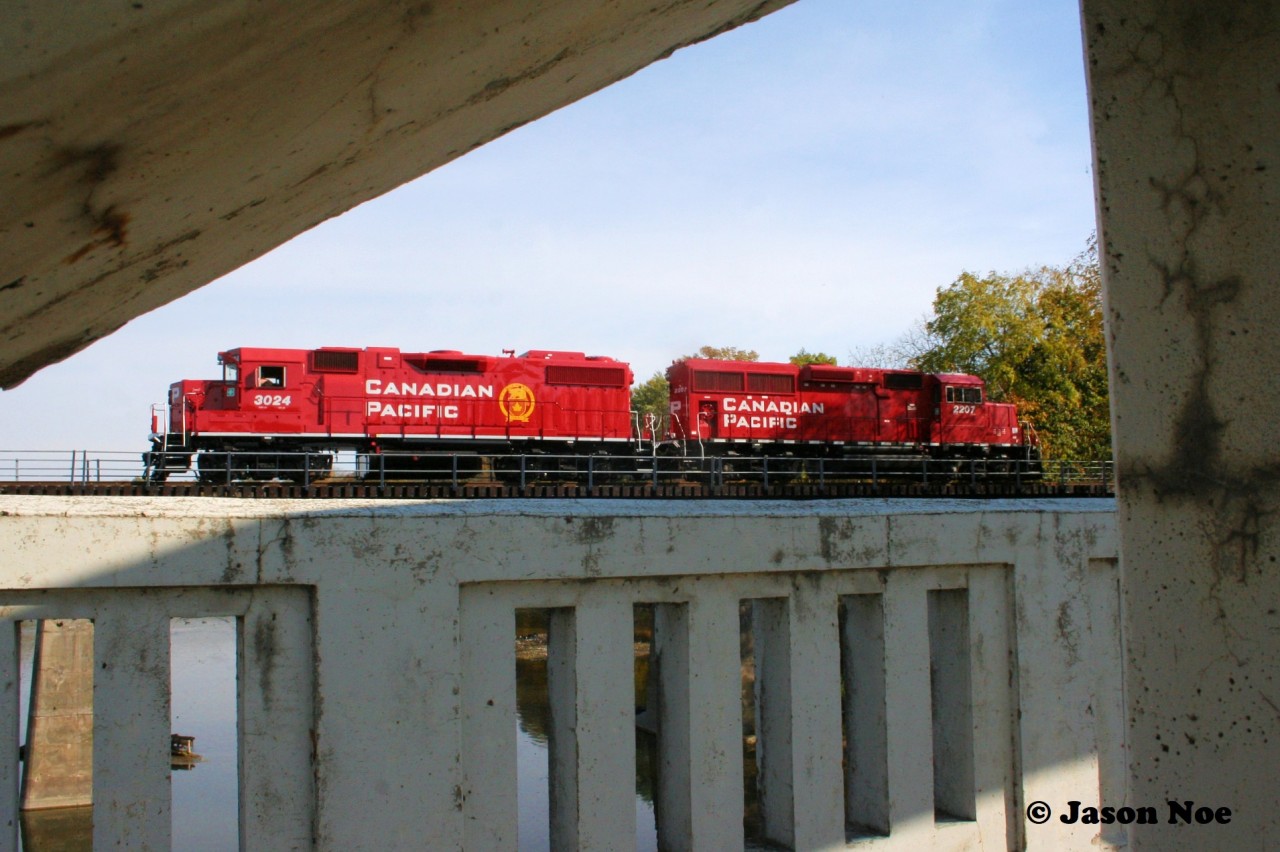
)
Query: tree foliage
[
  {"x": 651, "y": 397},
  {"x": 726, "y": 353},
  {"x": 900, "y": 354},
  {"x": 1037, "y": 340},
  {"x": 803, "y": 357}
]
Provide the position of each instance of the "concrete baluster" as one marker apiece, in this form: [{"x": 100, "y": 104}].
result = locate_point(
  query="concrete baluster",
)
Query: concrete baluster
[
  {"x": 590, "y": 674},
  {"x": 490, "y": 797},
  {"x": 908, "y": 719},
  {"x": 276, "y": 685},
  {"x": 131, "y": 792},
  {"x": 10, "y": 714}
]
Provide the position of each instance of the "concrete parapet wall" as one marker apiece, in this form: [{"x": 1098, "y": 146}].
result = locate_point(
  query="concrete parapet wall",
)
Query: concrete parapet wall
[{"x": 976, "y": 650}]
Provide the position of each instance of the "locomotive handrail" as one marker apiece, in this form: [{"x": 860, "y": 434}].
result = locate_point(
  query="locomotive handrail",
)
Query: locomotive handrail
[
  {"x": 457, "y": 469},
  {"x": 159, "y": 418}
]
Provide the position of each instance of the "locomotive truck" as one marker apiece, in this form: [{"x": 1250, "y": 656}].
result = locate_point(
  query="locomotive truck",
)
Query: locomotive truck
[{"x": 275, "y": 411}]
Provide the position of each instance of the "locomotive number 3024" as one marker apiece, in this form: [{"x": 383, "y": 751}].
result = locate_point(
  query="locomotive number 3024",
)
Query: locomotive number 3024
[{"x": 267, "y": 400}]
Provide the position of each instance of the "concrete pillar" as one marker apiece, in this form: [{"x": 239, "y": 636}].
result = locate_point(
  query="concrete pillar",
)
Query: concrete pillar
[
  {"x": 59, "y": 762},
  {"x": 1185, "y": 99}
]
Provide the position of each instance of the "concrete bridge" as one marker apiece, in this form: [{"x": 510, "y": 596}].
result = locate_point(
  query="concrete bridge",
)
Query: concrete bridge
[
  {"x": 137, "y": 165},
  {"x": 975, "y": 667}
]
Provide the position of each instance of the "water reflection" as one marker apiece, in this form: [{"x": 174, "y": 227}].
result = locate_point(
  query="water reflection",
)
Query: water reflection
[
  {"x": 57, "y": 830},
  {"x": 203, "y": 687},
  {"x": 533, "y": 725},
  {"x": 204, "y": 705}
]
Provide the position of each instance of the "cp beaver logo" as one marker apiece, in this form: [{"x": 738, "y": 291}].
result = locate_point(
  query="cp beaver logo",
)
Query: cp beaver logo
[{"x": 516, "y": 401}]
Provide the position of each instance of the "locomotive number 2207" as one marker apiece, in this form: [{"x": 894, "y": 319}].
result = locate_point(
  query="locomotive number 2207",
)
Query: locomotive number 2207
[{"x": 267, "y": 400}]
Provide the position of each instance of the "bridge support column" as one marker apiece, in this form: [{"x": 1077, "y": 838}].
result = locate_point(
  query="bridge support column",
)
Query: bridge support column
[
  {"x": 59, "y": 744},
  {"x": 1184, "y": 100}
]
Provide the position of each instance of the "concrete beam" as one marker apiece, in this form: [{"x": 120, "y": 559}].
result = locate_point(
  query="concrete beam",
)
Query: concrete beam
[
  {"x": 1184, "y": 101},
  {"x": 149, "y": 148}
]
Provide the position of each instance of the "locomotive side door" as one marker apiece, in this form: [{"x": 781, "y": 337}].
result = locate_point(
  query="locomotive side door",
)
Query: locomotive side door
[{"x": 707, "y": 419}]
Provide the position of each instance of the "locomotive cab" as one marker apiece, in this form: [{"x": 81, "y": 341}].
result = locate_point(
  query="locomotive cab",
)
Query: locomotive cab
[{"x": 968, "y": 423}]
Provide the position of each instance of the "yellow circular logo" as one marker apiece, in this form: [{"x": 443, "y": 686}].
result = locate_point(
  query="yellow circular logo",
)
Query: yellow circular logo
[{"x": 516, "y": 401}]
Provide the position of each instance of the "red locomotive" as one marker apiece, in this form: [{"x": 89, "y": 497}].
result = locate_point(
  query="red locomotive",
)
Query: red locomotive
[
  {"x": 284, "y": 412},
  {"x": 272, "y": 404},
  {"x": 824, "y": 410}
]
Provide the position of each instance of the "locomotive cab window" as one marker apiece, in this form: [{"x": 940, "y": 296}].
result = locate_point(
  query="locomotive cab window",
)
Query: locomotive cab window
[
  {"x": 270, "y": 377},
  {"x": 230, "y": 375},
  {"x": 971, "y": 396}
]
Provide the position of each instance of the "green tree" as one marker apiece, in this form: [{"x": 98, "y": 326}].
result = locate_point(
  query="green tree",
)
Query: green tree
[
  {"x": 1037, "y": 340},
  {"x": 726, "y": 353},
  {"x": 651, "y": 397},
  {"x": 803, "y": 357}
]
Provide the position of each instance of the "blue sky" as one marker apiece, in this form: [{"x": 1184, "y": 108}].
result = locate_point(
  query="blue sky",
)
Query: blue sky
[{"x": 807, "y": 181}]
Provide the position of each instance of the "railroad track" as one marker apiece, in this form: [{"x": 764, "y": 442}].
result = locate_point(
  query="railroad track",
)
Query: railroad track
[{"x": 490, "y": 490}]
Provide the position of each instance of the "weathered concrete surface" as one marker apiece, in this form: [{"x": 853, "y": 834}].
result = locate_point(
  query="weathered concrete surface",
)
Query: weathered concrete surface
[
  {"x": 377, "y": 628},
  {"x": 148, "y": 148},
  {"x": 58, "y": 770},
  {"x": 1185, "y": 104}
]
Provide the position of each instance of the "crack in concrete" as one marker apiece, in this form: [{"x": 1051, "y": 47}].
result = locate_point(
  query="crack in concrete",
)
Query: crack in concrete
[{"x": 1197, "y": 469}]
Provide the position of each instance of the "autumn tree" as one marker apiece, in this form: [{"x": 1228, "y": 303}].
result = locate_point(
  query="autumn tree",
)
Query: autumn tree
[
  {"x": 726, "y": 353},
  {"x": 1037, "y": 340},
  {"x": 803, "y": 357}
]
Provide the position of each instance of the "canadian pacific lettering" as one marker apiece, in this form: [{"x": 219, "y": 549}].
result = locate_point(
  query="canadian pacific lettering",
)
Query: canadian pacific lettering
[
  {"x": 375, "y": 387},
  {"x": 413, "y": 410},
  {"x": 736, "y": 411},
  {"x": 420, "y": 410}
]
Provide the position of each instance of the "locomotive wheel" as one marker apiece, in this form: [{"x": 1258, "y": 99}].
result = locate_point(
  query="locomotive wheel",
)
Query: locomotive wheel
[
  {"x": 507, "y": 471},
  {"x": 784, "y": 471},
  {"x": 211, "y": 469},
  {"x": 423, "y": 467},
  {"x": 304, "y": 469}
]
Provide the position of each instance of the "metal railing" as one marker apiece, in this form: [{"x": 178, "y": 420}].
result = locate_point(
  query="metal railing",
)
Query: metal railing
[{"x": 226, "y": 468}]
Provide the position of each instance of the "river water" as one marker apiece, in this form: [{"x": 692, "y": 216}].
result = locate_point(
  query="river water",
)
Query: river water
[
  {"x": 203, "y": 682},
  {"x": 533, "y": 712}
]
